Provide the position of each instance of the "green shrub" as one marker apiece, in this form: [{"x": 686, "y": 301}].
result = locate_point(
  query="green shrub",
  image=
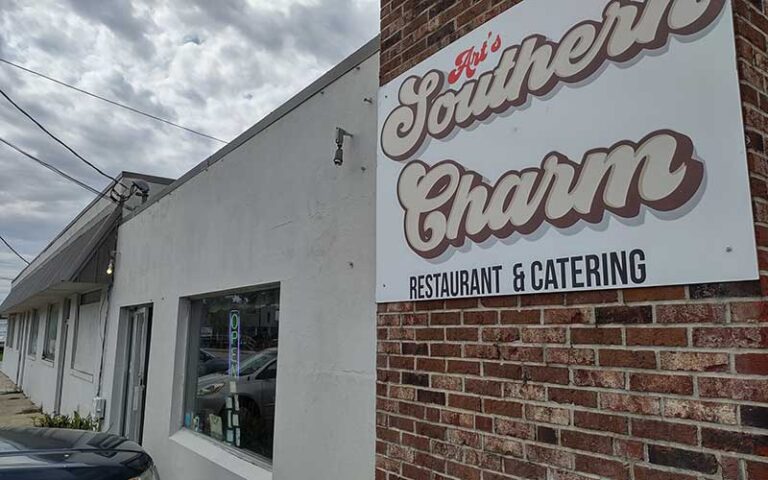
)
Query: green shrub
[{"x": 75, "y": 422}]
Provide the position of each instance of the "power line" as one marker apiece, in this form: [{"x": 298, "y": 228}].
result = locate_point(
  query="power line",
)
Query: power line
[
  {"x": 56, "y": 170},
  {"x": 55, "y": 137},
  {"x": 13, "y": 250},
  {"x": 112, "y": 102}
]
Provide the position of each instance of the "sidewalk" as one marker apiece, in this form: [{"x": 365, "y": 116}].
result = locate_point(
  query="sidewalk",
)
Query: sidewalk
[{"x": 16, "y": 410}]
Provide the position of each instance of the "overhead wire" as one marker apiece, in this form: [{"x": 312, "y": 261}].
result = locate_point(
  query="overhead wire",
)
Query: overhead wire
[
  {"x": 56, "y": 170},
  {"x": 13, "y": 250},
  {"x": 112, "y": 102},
  {"x": 57, "y": 139}
]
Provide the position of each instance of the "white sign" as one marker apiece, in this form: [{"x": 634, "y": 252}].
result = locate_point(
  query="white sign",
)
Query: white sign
[{"x": 567, "y": 146}]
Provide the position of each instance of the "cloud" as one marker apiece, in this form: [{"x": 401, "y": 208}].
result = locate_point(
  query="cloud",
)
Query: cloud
[{"x": 217, "y": 67}]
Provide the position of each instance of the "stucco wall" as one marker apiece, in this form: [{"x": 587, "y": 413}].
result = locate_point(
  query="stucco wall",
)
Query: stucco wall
[{"x": 276, "y": 209}]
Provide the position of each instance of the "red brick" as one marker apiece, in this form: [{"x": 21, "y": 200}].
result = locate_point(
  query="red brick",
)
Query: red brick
[
  {"x": 461, "y": 303},
  {"x": 503, "y": 446},
  {"x": 430, "y": 364},
  {"x": 415, "y": 319},
  {"x": 502, "y": 370},
  {"x": 570, "y": 356},
  {"x": 546, "y": 374},
  {"x": 573, "y": 396},
  {"x": 445, "y": 318},
  {"x": 752, "y": 363},
  {"x": 444, "y": 382},
  {"x": 627, "y": 358},
  {"x": 631, "y": 449},
  {"x": 544, "y": 335},
  {"x": 550, "y": 456},
  {"x": 568, "y": 316},
  {"x": 525, "y": 391},
  {"x": 592, "y": 297},
  {"x": 432, "y": 431},
  {"x": 401, "y": 363},
  {"x": 600, "y": 421},
  {"x": 542, "y": 299},
  {"x": 557, "y": 416},
  {"x": 623, "y": 315},
  {"x": 520, "y": 317},
  {"x": 462, "y": 334},
  {"x": 521, "y": 469},
  {"x": 652, "y": 294},
  {"x": 599, "y": 378},
  {"x": 495, "y": 302},
  {"x": 675, "y": 384},
  {"x": 749, "y": 312},
  {"x": 691, "y": 313},
  {"x": 603, "y": 467},
  {"x": 596, "y": 336},
  {"x": 735, "y": 337},
  {"x": 429, "y": 305},
  {"x": 487, "y": 317},
  {"x": 514, "y": 428},
  {"x": 657, "y": 337},
  {"x": 481, "y": 351},
  {"x": 734, "y": 389},
  {"x": 502, "y": 408},
  {"x": 521, "y": 354},
  {"x": 586, "y": 441},
  {"x": 444, "y": 350},
  {"x": 465, "y": 402},
  {"x": 500, "y": 335},
  {"x": 694, "y": 361},
  {"x": 489, "y": 388},
  {"x": 722, "y": 413},
  {"x": 757, "y": 470},
  {"x": 426, "y": 334},
  {"x": 619, "y": 402},
  {"x": 660, "y": 430},
  {"x": 463, "y": 366},
  {"x": 645, "y": 473},
  {"x": 465, "y": 438}
]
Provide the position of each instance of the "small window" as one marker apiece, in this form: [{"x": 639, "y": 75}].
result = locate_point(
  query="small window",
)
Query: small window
[
  {"x": 85, "y": 344},
  {"x": 233, "y": 369},
  {"x": 34, "y": 328},
  {"x": 51, "y": 332},
  {"x": 11, "y": 327}
]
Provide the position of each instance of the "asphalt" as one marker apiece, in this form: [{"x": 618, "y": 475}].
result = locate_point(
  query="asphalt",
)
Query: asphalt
[{"x": 16, "y": 410}]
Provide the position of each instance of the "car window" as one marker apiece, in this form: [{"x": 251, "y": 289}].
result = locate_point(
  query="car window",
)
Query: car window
[{"x": 270, "y": 372}]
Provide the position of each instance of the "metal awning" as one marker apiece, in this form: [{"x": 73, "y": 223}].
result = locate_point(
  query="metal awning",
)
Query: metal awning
[{"x": 59, "y": 274}]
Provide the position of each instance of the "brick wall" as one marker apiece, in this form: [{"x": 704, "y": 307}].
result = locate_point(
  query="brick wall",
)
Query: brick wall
[{"x": 646, "y": 384}]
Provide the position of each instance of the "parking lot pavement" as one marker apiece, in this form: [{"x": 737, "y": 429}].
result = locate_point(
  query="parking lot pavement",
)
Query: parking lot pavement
[{"x": 16, "y": 410}]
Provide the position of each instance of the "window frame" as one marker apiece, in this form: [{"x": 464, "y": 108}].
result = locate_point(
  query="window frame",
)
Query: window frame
[
  {"x": 11, "y": 331},
  {"x": 82, "y": 299},
  {"x": 34, "y": 332},
  {"x": 47, "y": 340},
  {"x": 192, "y": 345}
]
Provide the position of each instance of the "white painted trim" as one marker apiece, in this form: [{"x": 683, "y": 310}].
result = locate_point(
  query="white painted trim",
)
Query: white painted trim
[{"x": 221, "y": 456}]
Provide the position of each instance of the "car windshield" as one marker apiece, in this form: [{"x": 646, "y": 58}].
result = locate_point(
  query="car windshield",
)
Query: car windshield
[{"x": 256, "y": 362}]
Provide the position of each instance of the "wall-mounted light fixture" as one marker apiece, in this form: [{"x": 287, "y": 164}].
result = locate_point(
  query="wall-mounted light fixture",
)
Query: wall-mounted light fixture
[
  {"x": 338, "y": 158},
  {"x": 111, "y": 264}
]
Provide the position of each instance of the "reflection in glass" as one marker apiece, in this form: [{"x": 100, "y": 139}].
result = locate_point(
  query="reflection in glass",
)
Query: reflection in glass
[{"x": 234, "y": 357}]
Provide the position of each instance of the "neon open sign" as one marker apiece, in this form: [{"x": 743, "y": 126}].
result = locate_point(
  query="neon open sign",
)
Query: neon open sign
[{"x": 234, "y": 343}]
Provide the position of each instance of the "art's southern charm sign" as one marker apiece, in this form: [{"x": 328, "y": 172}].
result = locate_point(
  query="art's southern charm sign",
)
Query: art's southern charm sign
[{"x": 567, "y": 146}]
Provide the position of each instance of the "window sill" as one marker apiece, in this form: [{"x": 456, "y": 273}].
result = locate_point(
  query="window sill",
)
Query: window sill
[
  {"x": 239, "y": 464},
  {"x": 48, "y": 362},
  {"x": 32, "y": 357},
  {"x": 88, "y": 377}
]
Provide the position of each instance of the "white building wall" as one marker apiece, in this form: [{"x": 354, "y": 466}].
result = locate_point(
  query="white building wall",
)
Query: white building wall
[{"x": 276, "y": 209}]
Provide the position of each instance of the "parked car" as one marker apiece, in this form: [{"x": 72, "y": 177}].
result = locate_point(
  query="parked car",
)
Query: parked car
[
  {"x": 256, "y": 397},
  {"x": 210, "y": 363},
  {"x": 61, "y": 454}
]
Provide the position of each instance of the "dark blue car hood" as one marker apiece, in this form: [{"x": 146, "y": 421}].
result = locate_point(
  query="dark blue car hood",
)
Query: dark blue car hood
[{"x": 58, "y": 454}]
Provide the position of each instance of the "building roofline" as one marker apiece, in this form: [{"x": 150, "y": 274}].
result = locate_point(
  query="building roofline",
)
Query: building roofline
[
  {"x": 342, "y": 68},
  {"x": 123, "y": 174}
]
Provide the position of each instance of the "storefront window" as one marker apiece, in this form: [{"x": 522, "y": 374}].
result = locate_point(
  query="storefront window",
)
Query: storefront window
[{"x": 233, "y": 369}]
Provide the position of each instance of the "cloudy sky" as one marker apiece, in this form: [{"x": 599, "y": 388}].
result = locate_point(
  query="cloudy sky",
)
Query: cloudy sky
[{"x": 214, "y": 66}]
